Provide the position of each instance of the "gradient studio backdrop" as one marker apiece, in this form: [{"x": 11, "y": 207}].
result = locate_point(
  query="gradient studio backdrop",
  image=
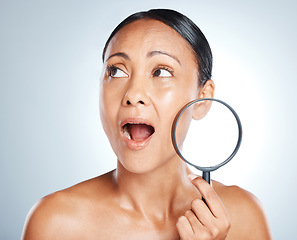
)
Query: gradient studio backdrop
[{"x": 51, "y": 136}]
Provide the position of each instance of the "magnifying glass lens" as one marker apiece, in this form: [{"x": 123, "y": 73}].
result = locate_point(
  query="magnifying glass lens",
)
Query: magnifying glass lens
[{"x": 206, "y": 133}]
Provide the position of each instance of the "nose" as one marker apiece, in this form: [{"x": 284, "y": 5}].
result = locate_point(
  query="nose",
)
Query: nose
[{"x": 136, "y": 94}]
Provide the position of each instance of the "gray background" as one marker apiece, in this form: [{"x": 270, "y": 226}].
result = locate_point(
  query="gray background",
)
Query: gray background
[{"x": 50, "y": 64}]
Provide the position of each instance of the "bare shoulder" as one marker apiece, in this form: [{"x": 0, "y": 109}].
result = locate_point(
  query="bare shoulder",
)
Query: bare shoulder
[
  {"x": 247, "y": 216},
  {"x": 64, "y": 214}
]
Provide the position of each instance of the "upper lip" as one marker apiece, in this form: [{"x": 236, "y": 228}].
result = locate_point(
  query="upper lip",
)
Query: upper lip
[{"x": 135, "y": 121}]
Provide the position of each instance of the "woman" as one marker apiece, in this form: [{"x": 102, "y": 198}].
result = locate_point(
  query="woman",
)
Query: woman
[{"x": 153, "y": 64}]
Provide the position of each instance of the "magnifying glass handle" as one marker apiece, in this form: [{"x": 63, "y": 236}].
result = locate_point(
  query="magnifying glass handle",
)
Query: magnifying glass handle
[{"x": 206, "y": 176}]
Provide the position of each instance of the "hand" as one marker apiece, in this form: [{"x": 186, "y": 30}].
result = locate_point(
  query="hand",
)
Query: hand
[{"x": 204, "y": 220}]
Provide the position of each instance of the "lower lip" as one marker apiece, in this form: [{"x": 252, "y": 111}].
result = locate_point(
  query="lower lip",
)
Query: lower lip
[{"x": 137, "y": 145}]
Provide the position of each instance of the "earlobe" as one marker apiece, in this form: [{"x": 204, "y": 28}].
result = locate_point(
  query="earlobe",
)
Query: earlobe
[{"x": 202, "y": 108}]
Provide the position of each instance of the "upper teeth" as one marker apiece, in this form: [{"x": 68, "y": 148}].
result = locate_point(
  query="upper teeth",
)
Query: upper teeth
[{"x": 126, "y": 132}]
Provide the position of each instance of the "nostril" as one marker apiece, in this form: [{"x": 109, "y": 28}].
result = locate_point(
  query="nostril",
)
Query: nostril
[{"x": 129, "y": 102}]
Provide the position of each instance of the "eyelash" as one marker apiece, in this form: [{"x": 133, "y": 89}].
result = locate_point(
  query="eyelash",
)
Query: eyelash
[
  {"x": 163, "y": 68},
  {"x": 111, "y": 67}
]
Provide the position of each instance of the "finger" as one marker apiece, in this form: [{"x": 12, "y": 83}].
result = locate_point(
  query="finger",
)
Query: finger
[
  {"x": 202, "y": 212},
  {"x": 213, "y": 201},
  {"x": 184, "y": 228},
  {"x": 195, "y": 223}
]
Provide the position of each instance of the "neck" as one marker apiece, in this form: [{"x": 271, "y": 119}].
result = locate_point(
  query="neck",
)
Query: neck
[{"x": 159, "y": 193}]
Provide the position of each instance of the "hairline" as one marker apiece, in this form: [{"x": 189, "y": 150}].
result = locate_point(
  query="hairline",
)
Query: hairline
[{"x": 145, "y": 15}]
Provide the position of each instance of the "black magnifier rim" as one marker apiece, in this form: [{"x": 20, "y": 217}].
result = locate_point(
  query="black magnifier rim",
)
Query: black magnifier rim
[{"x": 212, "y": 168}]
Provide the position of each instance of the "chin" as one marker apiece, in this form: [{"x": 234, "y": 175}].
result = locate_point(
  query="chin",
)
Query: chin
[
  {"x": 138, "y": 165},
  {"x": 146, "y": 163}
]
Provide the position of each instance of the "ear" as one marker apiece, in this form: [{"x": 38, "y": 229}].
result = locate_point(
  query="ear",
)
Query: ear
[{"x": 202, "y": 108}]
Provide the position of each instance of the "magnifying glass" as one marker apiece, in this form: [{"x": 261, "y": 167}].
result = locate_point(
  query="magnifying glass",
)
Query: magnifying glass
[{"x": 207, "y": 134}]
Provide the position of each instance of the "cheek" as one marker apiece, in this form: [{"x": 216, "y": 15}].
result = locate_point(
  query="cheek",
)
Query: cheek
[
  {"x": 168, "y": 109},
  {"x": 182, "y": 126},
  {"x": 108, "y": 109},
  {"x": 170, "y": 101},
  {"x": 169, "y": 104}
]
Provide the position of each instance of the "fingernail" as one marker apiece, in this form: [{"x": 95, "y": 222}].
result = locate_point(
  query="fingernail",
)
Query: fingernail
[{"x": 192, "y": 176}]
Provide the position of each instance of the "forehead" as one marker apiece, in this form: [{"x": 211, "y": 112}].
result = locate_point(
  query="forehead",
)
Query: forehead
[{"x": 148, "y": 35}]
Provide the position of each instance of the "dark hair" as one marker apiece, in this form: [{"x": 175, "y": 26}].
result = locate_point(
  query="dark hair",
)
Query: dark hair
[{"x": 185, "y": 27}]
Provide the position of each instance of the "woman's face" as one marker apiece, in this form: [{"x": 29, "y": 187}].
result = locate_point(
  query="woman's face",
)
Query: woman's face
[{"x": 149, "y": 73}]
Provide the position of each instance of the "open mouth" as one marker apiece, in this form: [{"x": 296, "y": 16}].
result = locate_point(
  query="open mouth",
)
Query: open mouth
[{"x": 138, "y": 132}]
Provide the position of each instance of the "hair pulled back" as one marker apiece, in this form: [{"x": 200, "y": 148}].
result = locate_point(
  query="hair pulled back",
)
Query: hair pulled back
[{"x": 185, "y": 27}]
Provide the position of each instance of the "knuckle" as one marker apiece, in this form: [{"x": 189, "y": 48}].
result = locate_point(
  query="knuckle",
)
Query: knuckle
[
  {"x": 205, "y": 235},
  {"x": 227, "y": 224},
  {"x": 215, "y": 231}
]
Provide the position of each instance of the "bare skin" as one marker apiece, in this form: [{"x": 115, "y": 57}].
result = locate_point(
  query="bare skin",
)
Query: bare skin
[
  {"x": 96, "y": 210},
  {"x": 149, "y": 73}
]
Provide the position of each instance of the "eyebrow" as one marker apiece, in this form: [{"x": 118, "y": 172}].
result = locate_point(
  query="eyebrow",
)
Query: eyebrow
[
  {"x": 120, "y": 54},
  {"x": 153, "y": 53},
  {"x": 150, "y": 54}
]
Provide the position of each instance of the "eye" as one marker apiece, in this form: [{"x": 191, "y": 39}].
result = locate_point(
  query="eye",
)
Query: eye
[
  {"x": 115, "y": 72},
  {"x": 163, "y": 72}
]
